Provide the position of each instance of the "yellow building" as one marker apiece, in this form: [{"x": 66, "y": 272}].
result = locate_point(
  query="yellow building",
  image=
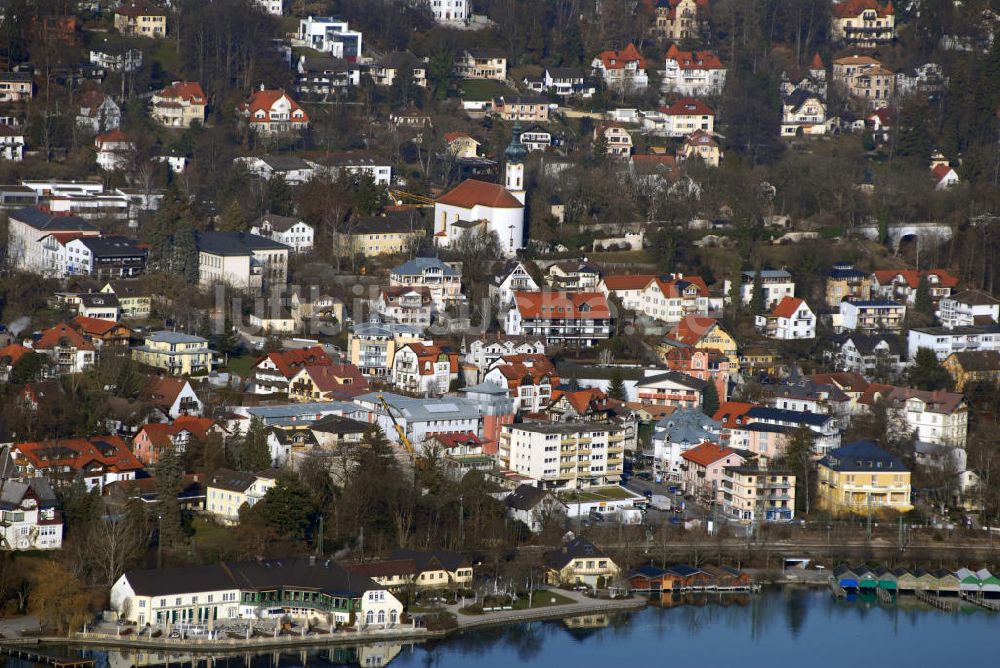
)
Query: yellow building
[
  {"x": 133, "y": 302},
  {"x": 322, "y": 382},
  {"x": 702, "y": 145},
  {"x": 438, "y": 569},
  {"x": 846, "y": 282},
  {"x": 176, "y": 353},
  {"x": 754, "y": 493},
  {"x": 973, "y": 366},
  {"x": 580, "y": 562},
  {"x": 860, "y": 478},
  {"x": 461, "y": 145},
  {"x": 140, "y": 18},
  {"x": 373, "y": 346},
  {"x": 386, "y": 235},
  {"x": 701, "y": 333},
  {"x": 227, "y": 491}
]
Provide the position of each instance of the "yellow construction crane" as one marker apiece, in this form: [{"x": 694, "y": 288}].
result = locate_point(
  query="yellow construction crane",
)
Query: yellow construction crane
[
  {"x": 401, "y": 197},
  {"x": 399, "y": 430}
]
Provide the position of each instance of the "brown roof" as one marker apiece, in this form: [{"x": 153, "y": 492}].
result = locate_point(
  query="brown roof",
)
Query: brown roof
[
  {"x": 163, "y": 391},
  {"x": 562, "y": 305},
  {"x": 707, "y": 453},
  {"x": 692, "y": 328},
  {"x": 472, "y": 192},
  {"x": 787, "y": 307},
  {"x": 969, "y": 360},
  {"x": 62, "y": 335},
  {"x": 290, "y": 362}
]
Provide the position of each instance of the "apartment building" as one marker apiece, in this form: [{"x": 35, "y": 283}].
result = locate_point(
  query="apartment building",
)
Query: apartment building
[
  {"x": 968, "y": 308},
  {"x": 695, "y": 73},
  {"x": 754, "y": 493},
  {"x": 578, "y": 319},
  {"x": 442, "y": 280},
  {"x": 947, "y": 340},
  {"x": 226, "y": 491},
  {"x": 372, "y": 345},
  {"x": 623, "y": 70},
  {"x": 846, "y": 282},
  {"x": 873, "y": 315},
  {"x": 176, "y": 353},
  {"x": 864, "y": 23},
  {"x": 860, "y": 478},
  {"x": 241, "y": 260},
  {"x": 482, "y": 63},
  {"x": 791, "y": 318},
  {"x": 776, "y": 284},
  {"x": 564, "y": 455}
]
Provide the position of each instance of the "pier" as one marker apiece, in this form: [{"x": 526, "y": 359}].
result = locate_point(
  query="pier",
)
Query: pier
[{"x": 30, "y": 654}]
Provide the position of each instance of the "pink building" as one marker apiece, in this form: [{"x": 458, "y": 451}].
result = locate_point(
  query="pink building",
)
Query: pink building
[
  {"x": 702, "y": 468},
  {"x": 767, "y": 440}
]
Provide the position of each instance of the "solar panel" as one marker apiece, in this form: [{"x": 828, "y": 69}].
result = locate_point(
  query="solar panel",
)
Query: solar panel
[{"x": 442, "y": 408}]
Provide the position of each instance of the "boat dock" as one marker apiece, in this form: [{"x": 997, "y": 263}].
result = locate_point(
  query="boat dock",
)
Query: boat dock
[
  {"x": 29, "y": 653},
  {"x": 941, "y": 589}
]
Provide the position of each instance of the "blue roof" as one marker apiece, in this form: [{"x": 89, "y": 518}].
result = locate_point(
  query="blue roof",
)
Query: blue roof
[
  {"x": 649, "y": 571},
  {"x": 419, "y": 265},
  {"x": 874, "y": 302},
  {"x": 43, "y": 221},
  {"x": 788, "y": 416},
  {"x": 384, "y": 329},
  {"x": 684, "y": 570},
  {"x": 862, "y": 456}
]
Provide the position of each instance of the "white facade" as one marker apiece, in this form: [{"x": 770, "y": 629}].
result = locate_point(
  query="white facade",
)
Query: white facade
[
  {"x": 944, "y": 341},
  {"x": 331, "y": 36},
  {"x": 962, "y": 310},
  {"x": 24, "y": 523},
  {"x": 790, "y": 319},
  {"x": 931, "y": 425},
  {"x": 484, "y": 353},
  {"x": 449, "y": 11},
  {"x": 507, "y": 222},
  {"x": 272, "y": 7},
  {"x": 420, "y": 417},
  {"x": 776, "y": 284},
  {"x": 298, "y": 237},
  {"x": 12, "y": 143},
  {"x": 516, "y": 279},
  {"x": 144, "y": 610},
  {"x": 564, "y": 456},
  {"x": 871, "y": 316},
  {"x": 427, "y": 377},
  {"x": 693, "y": 73}
]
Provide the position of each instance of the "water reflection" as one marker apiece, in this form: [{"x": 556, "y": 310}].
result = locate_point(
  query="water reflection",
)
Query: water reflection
[{"x": 798, "y": 625}]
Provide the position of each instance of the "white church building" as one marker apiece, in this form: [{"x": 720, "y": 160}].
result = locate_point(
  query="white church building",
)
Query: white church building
[{"x": 473, "y": 204}]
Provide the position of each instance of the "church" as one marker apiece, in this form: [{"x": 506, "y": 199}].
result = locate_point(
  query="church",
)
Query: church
[{"x": 474, "y": 204}]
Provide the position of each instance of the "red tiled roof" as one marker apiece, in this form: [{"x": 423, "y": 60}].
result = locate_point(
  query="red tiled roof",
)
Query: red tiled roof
[
  {"x": 707, "y": 454},
  {"x": 672, "y": 288},
  {"x": 452, "y": 136},
  {"x": 853, "y": 8},
  {"x": 77, "y": 453},
  {"x": 163, "y": 391},
  {"x": 694, "y": 60},
  {"x": 817, "y": 63},
  {"x": 187, "y": 91},
  {"x": 940, "y": 171},
  {"x": 730, "y": 412},
  {"x": 332, "y": 377},
  {"x": 65, "y": 237},
  {"x": 614, "y": 60},
  {"x": 580, "y": 400},
  {"x": 115, "y": 136},
  {"x": 562, "y": 305},
  {"x": 290, "y": 362},
  {"x": 62, "y": 334},
  {"x": 93, "y": 326},
  {"x": 264, "y": 100},
  {"x": 456, "y": 440},
  {"x": 787, "y": 307},
  {"x": 845, "y": 380},
  {"x": 700, "y": 138},
  {"x": 692, "y": 328},
  {"x": 628, "y": 281},
  {"x": 160, "y": 433},
  {"x": 14, "y": 351},
  {"x": 688, "y": 106},
  {"x": 472, "y": 192},
  {"x": 912, "y": 277}
]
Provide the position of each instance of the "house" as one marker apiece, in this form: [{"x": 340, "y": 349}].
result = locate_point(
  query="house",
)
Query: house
[
  {"x": 968, "y": 308},
  {"x": 174, "y": 397},
  {"x": 701, "y": 333},
  {"x": 141, "y": 18},
  {"x": 99, "y": 460},
  {"x": 461, "y": 144},
  {"x": 624, "y": 70},
  {"x": 30, "y": 518},
  {"x": 114, "y": 150},
  {"x": 97, "y": 112},
  {"x": 702, "y": 468},
  {"x": 373, "y": 345},
  {"x": 399, "y": 64},
  {"x": 403, "y": 304},
  {"x": 532, "y": 108},
  {"x": 437, "y": 568},
  {"x": 104, "y": 334},
  {"x": 755, "y": 493},
  {"x": 486, "y": 350},
  {"x": 617, "y": 142},
  {"x": 528, "y": 378},
  {"x": 472, "y": 201},
  {"x": 870, "y": 354},
  {"x": 482, "y": 63},
  {"x": 846, "y": 282},
  {"x": 410, "y": 117},
  {"x": 307, "y": 588},
  {"x": 106, "y": 258},
  {"x": 152, "y": 438},
  {"x": 860, "y": 478},
  {"x": 803, "y": 112},
  {"x": 9, "y": 356},
  {"x": 565, "y": 82},
  {"x": 791, "y": 318},
  {"x": 573, "y": 276},
  {"x": 330, "y": 35},
  {"x": 355, "y": 164},
  {"x": 69, "y": 351},
  {"x": 693, "y": 73},
  {"x": 273, "y": 112},
  {"x": 179, "y": 105},
  {"x": 863, "y": 23},
  {"x": 536, "y": 138},
  {"x": 390, "y": 234},
  {"x": 677, "y": 20},
  {"x": 292, "y": 169},
  {"x": 774, "y": 283},
  {"x": 580, "y": 562},
  {"x": 133, "y": 302},
  {"x": 703, "y": 146},
  {"x": 535, "y": 507},
  {"x": 326, "y": 382},
  {"x": 873, "y": 315},
  {"x": 564, "y": 455},
  {"x": 424, "y": 369},
  {"x": 275, "y": 370},
  {"x": 421, "y": 418},
  {"x": 116, "y": 57},
  {"x": 98, "y": 305},
  {"x": 902, "y": 285},
  {"x": 513, "y": 277},
  {"x": 176, "y": 353},
  {"x": 12, "y": 142},
  {"x": 864, "y": 78},
  {"x": 680, "y": 119},
  {"x": 227, "y": 491},
  {"x": 671, "y": 389},
  {"x": 325, "y": 75},
  {"x": 585, "y": 405},
  {"x": 16, "y": 86},
  {"x": 442, "y": 280},
  {"x": 576, "y": 319},
  {"x": 944, "y": 176},
  {"x": 627, "y": 288},
  {"x": 293, "y": 232},
  {"x": 461, "y": 453},
  {"x": 241, "y": 260},
  {"x": 973, "y": 366},
  {"x": 937, "y": 417},
  {"x": 947, "y": 340},
  {"x": 272, "y": 7},
  {"x": 710, "y": 366},
  {"x": 449, "y": 12}
]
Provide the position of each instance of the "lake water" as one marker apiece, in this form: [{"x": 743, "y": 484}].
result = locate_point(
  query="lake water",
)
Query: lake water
[{"x": 781, "y": 627}]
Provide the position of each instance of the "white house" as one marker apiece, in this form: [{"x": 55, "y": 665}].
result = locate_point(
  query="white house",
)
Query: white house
[
  {"x": 114, "y": 150},
  {"x": 241, "y": 260},
  {"x": 969, "y": 307},
  {"x": 803, "y": 111},
  {"x": 12, "y": 141},
  {"x": 424, "y": 369},
  {"x": 330, "y": 35},
  {"x": 30, "y": 228},
  {"x": 680, "y": 119},
  {"x": 272, "y": 7},
  {"x": 579, "y": 319},
  {"x": 295, "y": 233},
  {"x": 486, "y": 350},
  {"x": 273, "y": 112},
  {"x": 293, "y": 169},
  {"x": 623, "y": 70},
  {"x": 944, "y": 341},
  {"x": 791, "y": 318},
  {"x": 695, "y": 73},
  {"x": 442, "y": 280},
  {"x": 872, "y": 315},
  {"x": 449, "y": 11},
  {"x": 420, "y": 417},
  {"x": 536, "y": 138},
  {"x": 29, "y": 516},
  {"x": 776, "y": 284},
  {"x": 512, "y": 278},
  {"x": 354, "y": 163}
]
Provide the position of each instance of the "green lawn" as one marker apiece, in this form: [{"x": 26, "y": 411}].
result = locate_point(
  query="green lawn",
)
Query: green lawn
[
  {"x": 600, "y": 494},
  {"x": 484, "y": 89},
  {"x": 241, "y": 366},
  {"x": 541, "y": 599}
]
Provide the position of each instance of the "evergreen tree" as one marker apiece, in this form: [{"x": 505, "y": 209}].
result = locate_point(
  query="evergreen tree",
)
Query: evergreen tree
[
  {"x": 184, "y": 260},
  {"x": 256, "y": 453},
  {"x": 922, "y": 302},
  {"x": 279, "y": 196},
  {"x": 927, "y": 372},
  {"x": 757, "y": 302},
  {"x": 710, "y": 399},
  {"x": 169, "y": 482},
  {"x": 233, "y": 219},
  {"x": 234, "y": 447},
  {"x": 798, "y": 456},
  {"x": 617, "y": 388},
  {"x": 288, "y": 508}
]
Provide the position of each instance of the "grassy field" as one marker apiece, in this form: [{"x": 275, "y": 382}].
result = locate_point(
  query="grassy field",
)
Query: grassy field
[
  {"x": 541, "y": 599},
  {"x": 602, "y": 494},
  {"x": 484, "y": 89},
  {"x": 241, "y": 366}
]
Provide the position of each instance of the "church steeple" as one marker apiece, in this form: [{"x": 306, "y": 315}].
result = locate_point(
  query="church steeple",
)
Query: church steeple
[{"x": 514, "y": 157}]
